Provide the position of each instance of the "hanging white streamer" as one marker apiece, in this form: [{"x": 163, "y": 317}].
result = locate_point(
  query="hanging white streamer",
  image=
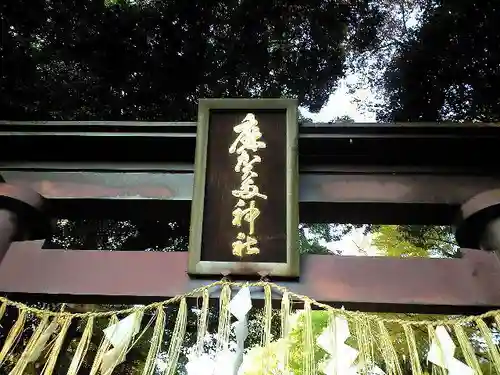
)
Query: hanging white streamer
[
  {"x": 239, "y": 306},
  {"x": 223, "y": 363},
  {"x": 442, "y": 354},
  {"x": 120, "y": 335},
  {"x": 342, "y": 356},
  {"x": 228, "y": 362}
]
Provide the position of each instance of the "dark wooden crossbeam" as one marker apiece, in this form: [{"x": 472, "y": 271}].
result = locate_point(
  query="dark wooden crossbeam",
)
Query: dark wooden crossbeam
[
  {"x": 459, "y": 145},
  {"x": 448, "y": 286},
  {"x": 369, "y": 195},
  {"x": 357, "y": 173}
]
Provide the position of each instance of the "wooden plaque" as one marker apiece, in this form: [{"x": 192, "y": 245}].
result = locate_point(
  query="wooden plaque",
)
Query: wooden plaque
[{"x": 244, "y": 214}]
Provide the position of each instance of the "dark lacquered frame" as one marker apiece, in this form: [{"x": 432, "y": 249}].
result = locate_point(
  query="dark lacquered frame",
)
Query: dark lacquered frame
[{"x": 197, "y": 266}]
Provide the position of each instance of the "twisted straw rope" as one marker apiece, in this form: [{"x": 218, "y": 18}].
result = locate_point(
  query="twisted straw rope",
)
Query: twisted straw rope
[{"x": 198, "y": 291}]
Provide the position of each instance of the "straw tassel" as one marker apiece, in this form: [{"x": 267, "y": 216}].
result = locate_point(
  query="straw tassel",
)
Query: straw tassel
[
  {"x": 370, "y": 341},
  {"x": 103, "y": 348},
  {"x": 177, "y": 339},
  {"x": 50, "y": 333},
  {"x": 365, "y": 349},
  {"x": 308, "y": 365},
  {"x": 156, "y": 340},
  {"x": 266, "y": 334},
  {"x": 41, "y": 343},
  {"x": 54, "y": 353},
  {"x": 389, "y": 353},
  {"x": 224, "y": 319},
  {"x": 412, "y": 350},
  {"x": 82, "y": 347},
  {"x": 393, "y": 367},
  {"x": 467, "y": 349},
  {"x": 490, "y": 343},
  {"x": 13, "y": 336},
  {"x": 497, "y": 320},
  {"x": 202, "y": 324},
  {"x": 30, "y": 347},
  {"x": 285, "y": 330},
  {"x": 2, "y": 310}
]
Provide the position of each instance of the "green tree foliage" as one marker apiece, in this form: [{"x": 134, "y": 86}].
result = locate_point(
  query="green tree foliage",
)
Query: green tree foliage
[
  {"x": 312, "y": 238},
  {"x": 152, "y": 60},
  {"x": 120, "y": 235},
  {"x": 400, "y": 20},
  {"x": 390, "y": 242},
  {"x": 415, "y": 240},
  {"x": 448, "y": 69}
]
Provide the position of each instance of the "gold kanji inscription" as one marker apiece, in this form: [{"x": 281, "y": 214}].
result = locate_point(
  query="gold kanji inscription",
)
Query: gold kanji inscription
[
  {"x": 248, "y": 214},
  {"x": 244, "y": 245},
  {"x": 248, "y": 136},
  {"x": 248, "y": 141}
]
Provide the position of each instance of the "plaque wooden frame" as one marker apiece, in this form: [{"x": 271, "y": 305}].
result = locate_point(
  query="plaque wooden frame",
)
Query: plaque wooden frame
[{"x": 196, "y": 265}]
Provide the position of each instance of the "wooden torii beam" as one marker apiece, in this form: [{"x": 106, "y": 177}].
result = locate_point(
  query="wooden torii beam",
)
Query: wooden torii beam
[
  {"x": 366, "y": 283},
  {"x": 363, "y": 283}
]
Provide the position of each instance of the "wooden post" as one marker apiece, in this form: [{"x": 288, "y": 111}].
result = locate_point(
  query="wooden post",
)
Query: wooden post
[
  {"x": 8, "y": 223},
  {"x": 490, "y": 239},
  {"x": 21, "y": 216},
  {"x": 479, "y": 224}
]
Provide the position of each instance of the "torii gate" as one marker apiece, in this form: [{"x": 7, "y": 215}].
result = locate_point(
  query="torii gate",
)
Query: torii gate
[{"x": 356, "y": 173}]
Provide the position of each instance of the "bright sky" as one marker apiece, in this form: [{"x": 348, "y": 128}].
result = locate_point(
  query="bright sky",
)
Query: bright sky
[
  {"x": 342, "y": 103},
  {"x": 355, "y": 243}
]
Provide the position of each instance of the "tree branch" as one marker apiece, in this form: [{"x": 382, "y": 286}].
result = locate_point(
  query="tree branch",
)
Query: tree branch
[
  {"x": 403, "y": 14},
  {"x": 362, "y": 251}
]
